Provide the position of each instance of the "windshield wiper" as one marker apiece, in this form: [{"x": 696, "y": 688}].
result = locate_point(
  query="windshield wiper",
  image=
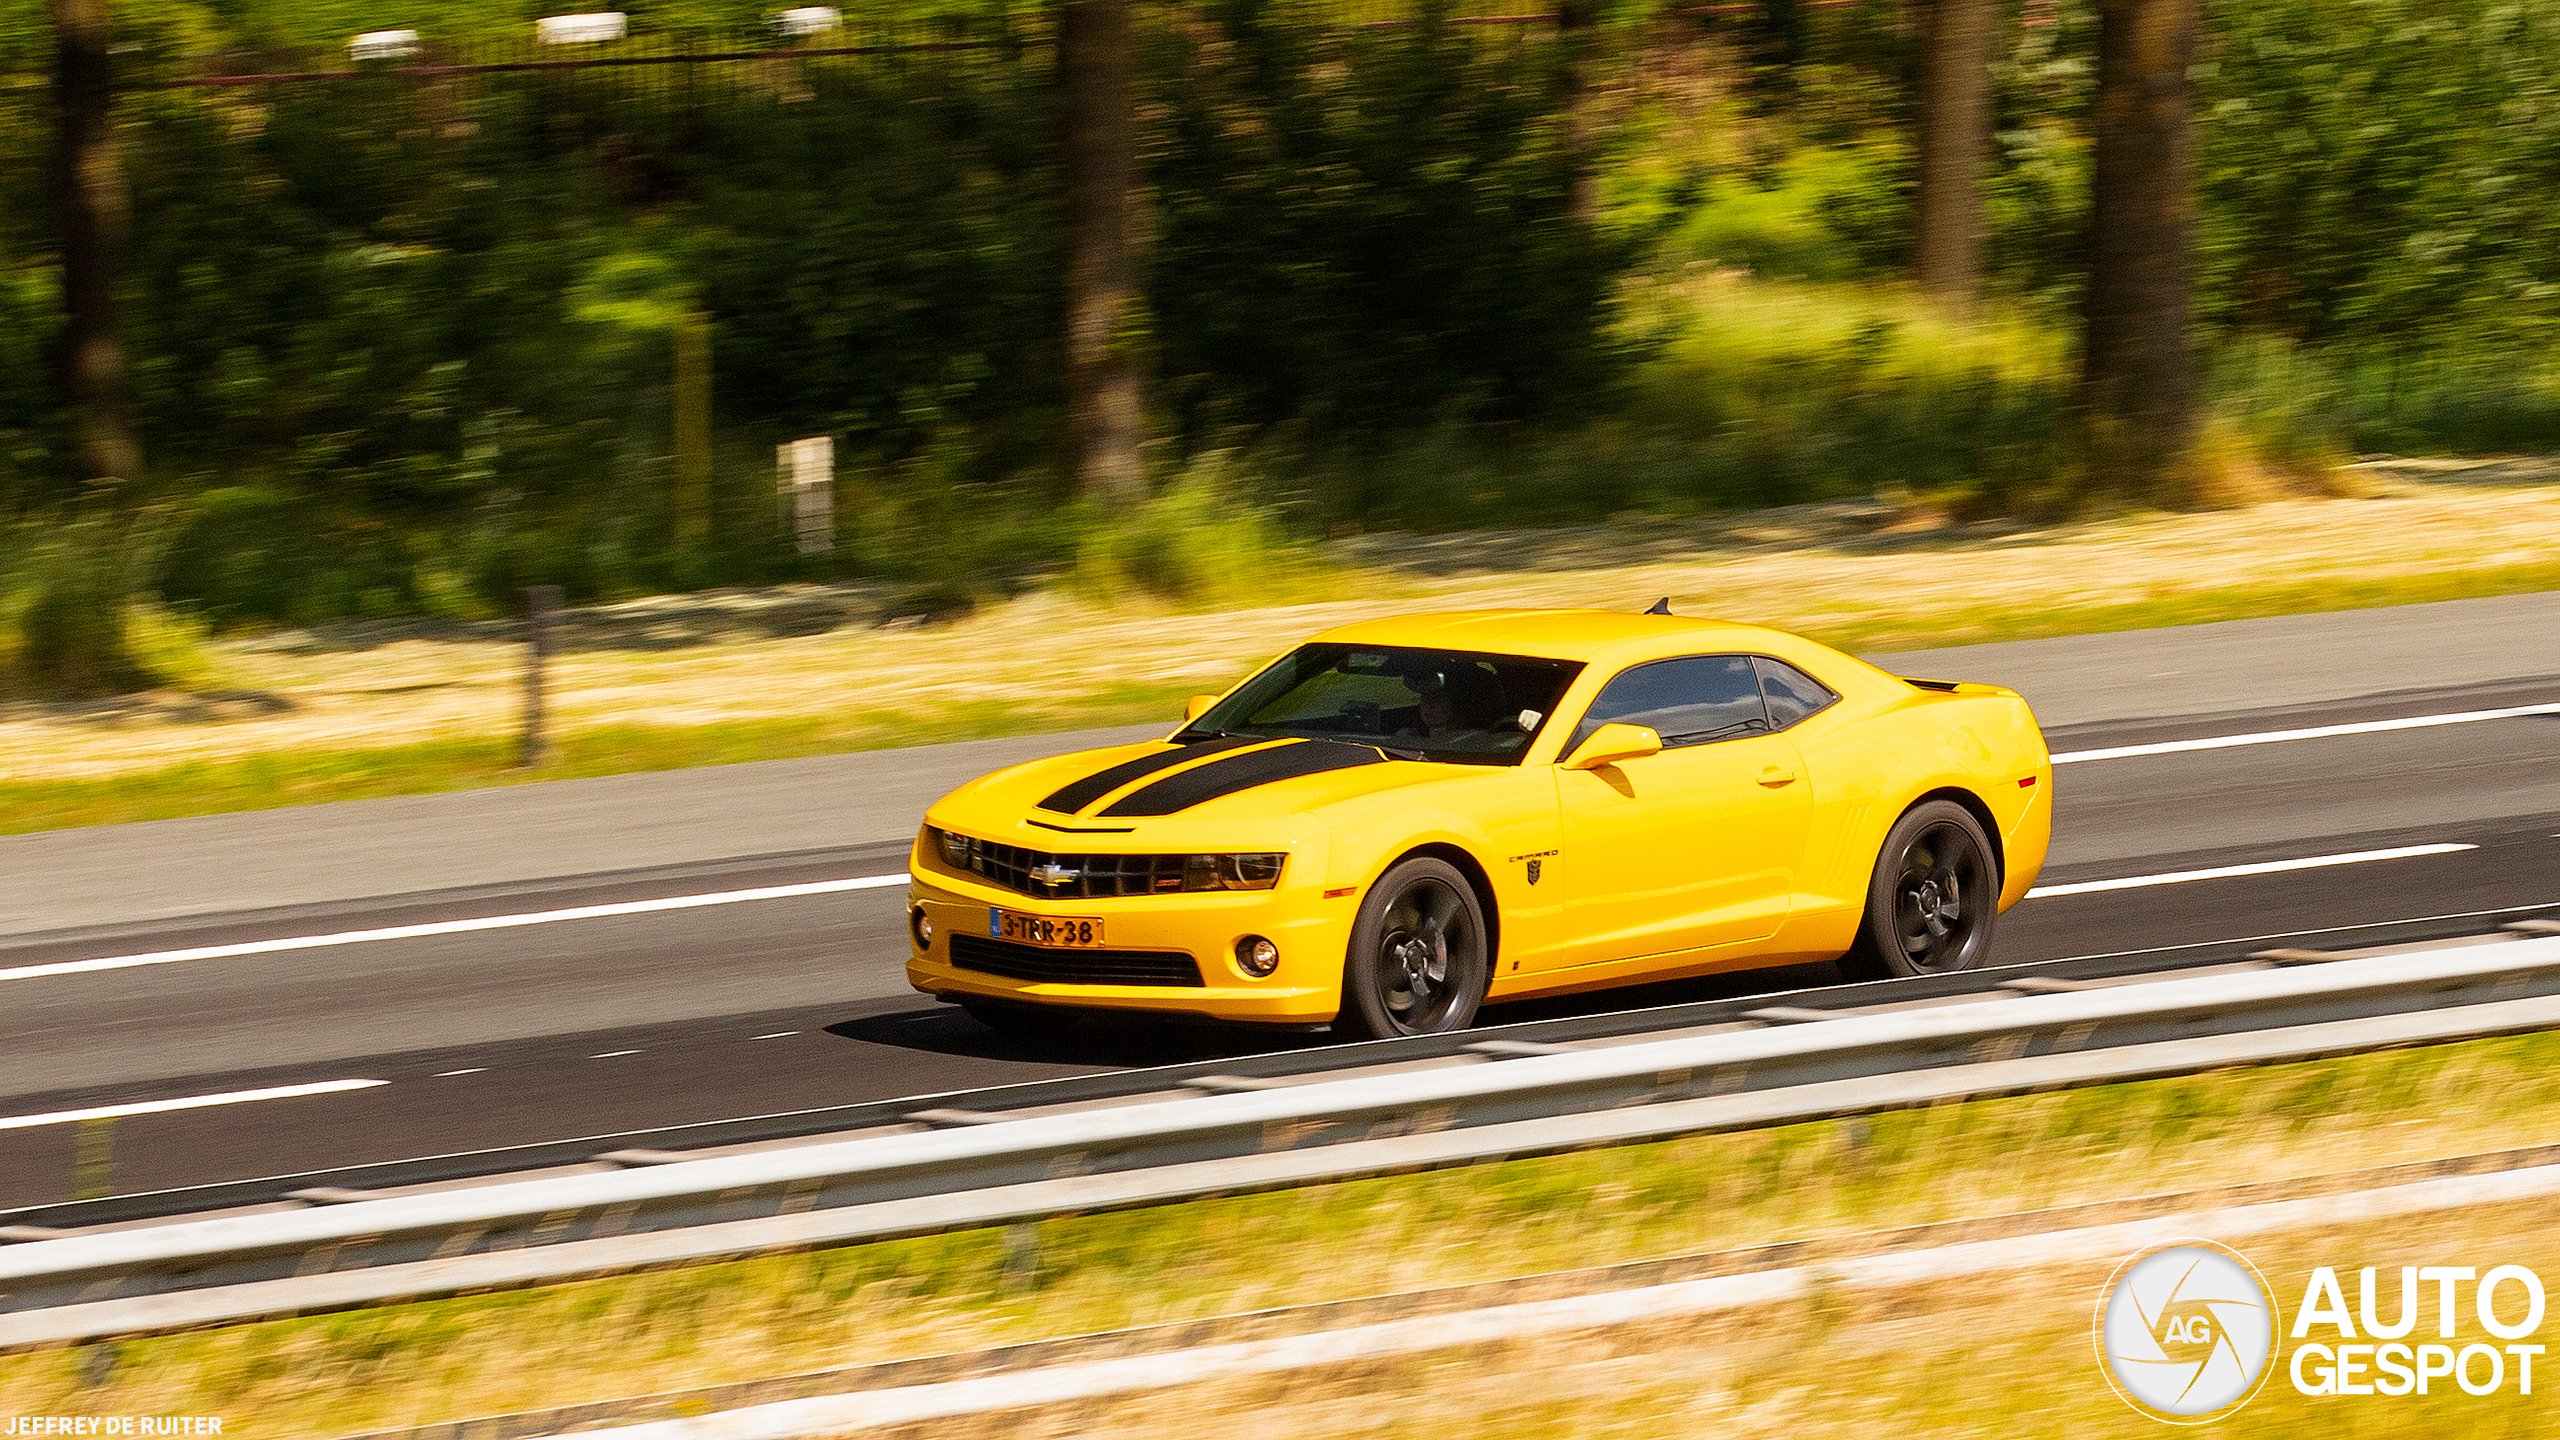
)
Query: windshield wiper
[
  {"x": 1187, "y": 736},
  {"x": 1393, "y": 753}
]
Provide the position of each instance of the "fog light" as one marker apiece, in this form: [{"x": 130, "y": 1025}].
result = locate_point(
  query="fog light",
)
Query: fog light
[
  {"x": 1256, "y": 956},
  {"x": 920, "y": 927}
]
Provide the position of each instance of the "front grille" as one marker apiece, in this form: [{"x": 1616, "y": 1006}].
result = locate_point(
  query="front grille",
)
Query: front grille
[
  {"x": 1073, "y": 967},
  {"x": 1097, "y": 876}
]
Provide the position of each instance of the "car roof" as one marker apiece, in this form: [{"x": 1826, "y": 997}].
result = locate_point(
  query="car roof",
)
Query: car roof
[{"x": 1583, "y": 635}]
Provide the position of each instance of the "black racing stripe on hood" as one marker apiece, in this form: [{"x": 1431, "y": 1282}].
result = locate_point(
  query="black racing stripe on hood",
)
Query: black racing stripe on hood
[
  {"x": 1242, "y": 772},
  {"x": 1069, "y": 799}
]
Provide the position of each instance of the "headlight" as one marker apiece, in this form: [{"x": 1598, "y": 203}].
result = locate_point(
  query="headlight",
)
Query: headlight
[
  {"x": 1232, "y": 872},
  {"x": 955, "y": 848}
]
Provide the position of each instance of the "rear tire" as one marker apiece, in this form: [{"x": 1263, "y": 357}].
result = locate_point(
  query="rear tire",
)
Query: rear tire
[
  {"x": 1932, "y": 900},
  {"x": 1420, "y": 957}
]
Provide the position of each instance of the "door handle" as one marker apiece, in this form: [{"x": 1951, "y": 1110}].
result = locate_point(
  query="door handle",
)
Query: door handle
[{"x": 1774, "y": 776}]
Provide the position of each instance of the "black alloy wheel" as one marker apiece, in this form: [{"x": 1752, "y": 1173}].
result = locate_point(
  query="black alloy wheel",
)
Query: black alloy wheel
[
  {"x": 1933, "y": 899},
  {"x": 1419, "y": 960}
]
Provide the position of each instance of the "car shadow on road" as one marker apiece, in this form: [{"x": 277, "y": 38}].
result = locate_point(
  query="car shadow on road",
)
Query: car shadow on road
[
  {"x": 1114, "y": 1042},
  {"x": 1130, "y": 1042}
]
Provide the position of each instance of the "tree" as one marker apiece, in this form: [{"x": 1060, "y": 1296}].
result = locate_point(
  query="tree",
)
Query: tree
[
  {"x": 89, "y": 206},
  {"x": 2138, "y": 371},
  {"x": 1106, "y": 312},
  {"x": 1955, "y": 129}
]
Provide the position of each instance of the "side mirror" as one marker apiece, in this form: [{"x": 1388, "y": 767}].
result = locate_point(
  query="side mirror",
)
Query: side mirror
[
  {"x": 1197, "y": 706},
  {"x": 1612, "y": 743}
]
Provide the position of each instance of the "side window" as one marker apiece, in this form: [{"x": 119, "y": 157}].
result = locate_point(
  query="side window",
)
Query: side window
[
  {"x": 1688, "y": 701},
  {"x": 1791, "y": 693}
]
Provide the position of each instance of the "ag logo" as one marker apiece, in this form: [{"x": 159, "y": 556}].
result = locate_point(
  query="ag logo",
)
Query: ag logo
[{"x": 2185, "y": 1331}]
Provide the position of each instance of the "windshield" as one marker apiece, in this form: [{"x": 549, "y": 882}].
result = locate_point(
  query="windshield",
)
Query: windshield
[{"x": 1451, "y": 705}]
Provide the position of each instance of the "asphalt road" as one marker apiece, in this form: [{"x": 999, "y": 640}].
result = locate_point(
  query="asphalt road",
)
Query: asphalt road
[{"x": 595, "y": 1025}]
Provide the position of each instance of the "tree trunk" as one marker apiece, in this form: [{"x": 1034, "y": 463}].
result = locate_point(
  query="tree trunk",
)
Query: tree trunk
[
  {"x": 1106, "y": 312},
  {"x": 89, "y": 206},
  {"x": 1575, "y": 21},
  {"x": 2138, "y": 371},
  {"x": 1955, "y": 130}
]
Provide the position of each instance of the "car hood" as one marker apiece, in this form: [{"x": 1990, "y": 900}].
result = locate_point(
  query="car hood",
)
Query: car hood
[{"x": 1197, "y": 793}]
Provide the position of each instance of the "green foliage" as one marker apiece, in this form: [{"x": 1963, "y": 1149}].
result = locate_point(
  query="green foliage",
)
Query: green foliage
[
  {"x": 2378, "y": 173},
  {"x": 1203, "y": 543},
  {"x": 1369, "y": 229},
  {"x": 73, "y": 620},
  {"x": 403, "y": 347}
]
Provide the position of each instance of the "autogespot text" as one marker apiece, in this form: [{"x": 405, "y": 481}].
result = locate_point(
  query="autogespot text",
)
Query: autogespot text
[{"x": 2365, "y": 1352}]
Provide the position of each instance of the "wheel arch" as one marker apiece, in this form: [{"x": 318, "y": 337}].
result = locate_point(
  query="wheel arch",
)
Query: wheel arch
[{"x": 1977, "y": 807}]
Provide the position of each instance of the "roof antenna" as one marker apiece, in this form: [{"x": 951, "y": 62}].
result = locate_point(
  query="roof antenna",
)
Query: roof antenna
[{"x": 1661, "y": 606}]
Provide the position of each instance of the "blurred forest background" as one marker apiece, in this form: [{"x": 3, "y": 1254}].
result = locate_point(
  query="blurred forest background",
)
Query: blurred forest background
[{"x": 398, "y": 344}]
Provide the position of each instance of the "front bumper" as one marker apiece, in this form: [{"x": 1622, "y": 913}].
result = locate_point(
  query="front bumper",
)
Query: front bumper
[{"x": 1311, "y": 932}]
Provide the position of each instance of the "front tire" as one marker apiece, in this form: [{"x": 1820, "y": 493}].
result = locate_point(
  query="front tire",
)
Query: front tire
[
  {"x": 1933, "y": 898},
  {"x": 1420, "y": 958}
]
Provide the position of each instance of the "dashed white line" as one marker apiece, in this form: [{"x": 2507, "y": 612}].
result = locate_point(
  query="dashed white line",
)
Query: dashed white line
[
  {"x": 189, "y": 1102},
  {"x": 474, "y": 1070},
  {"x": 454, "y": 927},
  {"x": 2317, "y": 732},
  {"x": 779, "y": 1035},
  {"x": 610, "y": 1054},
  {"x": 2225, "y": 872}
]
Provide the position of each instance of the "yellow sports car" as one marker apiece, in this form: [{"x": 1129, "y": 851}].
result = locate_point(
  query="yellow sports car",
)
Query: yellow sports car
[{"x": 1403, "y": 819}]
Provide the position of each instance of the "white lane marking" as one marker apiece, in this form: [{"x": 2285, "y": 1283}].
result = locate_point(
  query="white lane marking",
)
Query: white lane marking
[
  {"x": 778, "y": 1035},
  {"x": 2225, "y": 872},
  {"x": 455, "y": 927},
  {"x": 2303, "y": 934},
  {"x": 474, "y": 1070},
  {"x": 610, "y": 1054},
  {"x": 2317, "y": 732},
  {"x": 189, "y": 1102}
]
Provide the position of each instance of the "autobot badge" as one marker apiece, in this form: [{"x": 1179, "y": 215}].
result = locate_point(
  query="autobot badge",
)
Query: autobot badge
[{"x": 1533, "y": 870}]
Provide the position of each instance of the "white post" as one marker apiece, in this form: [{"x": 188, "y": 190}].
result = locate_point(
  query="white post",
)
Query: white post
[{"x": 808, "y": 491}]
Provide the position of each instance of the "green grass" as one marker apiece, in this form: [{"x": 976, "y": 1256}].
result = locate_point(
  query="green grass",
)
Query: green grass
[{"x": 628, "y": 1335}]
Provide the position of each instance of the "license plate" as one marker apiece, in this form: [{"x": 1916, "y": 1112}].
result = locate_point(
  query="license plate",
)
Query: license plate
[{"x": 1056, "y": 932}]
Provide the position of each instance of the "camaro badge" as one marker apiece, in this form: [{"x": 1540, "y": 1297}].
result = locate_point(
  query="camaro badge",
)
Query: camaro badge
[{"x": 1537, "y": 863}]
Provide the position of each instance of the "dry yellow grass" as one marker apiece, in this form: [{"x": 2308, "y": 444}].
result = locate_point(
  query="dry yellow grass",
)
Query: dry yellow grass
[
  {"x": 2006, "y": 1355},
  {"x": 1854, "y": 574}
]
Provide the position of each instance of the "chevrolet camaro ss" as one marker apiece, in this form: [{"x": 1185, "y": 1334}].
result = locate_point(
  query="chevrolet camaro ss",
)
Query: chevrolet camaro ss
[{"x": 1403, "y": 819}]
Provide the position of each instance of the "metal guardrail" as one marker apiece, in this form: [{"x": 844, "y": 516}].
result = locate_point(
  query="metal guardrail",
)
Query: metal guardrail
[{"x": 984, "y": 1169}]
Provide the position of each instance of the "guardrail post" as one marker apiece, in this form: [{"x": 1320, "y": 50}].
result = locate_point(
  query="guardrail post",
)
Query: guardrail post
[{"x": 541, "y": 602}]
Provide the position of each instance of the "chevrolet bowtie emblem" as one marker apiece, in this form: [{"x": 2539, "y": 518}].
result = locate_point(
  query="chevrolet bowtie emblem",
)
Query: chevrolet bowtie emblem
[{"x": 1052, "y": 873}]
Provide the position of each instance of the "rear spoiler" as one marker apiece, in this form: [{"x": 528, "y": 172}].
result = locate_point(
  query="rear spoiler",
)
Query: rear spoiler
[{"x": 1957, "y": 687}]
